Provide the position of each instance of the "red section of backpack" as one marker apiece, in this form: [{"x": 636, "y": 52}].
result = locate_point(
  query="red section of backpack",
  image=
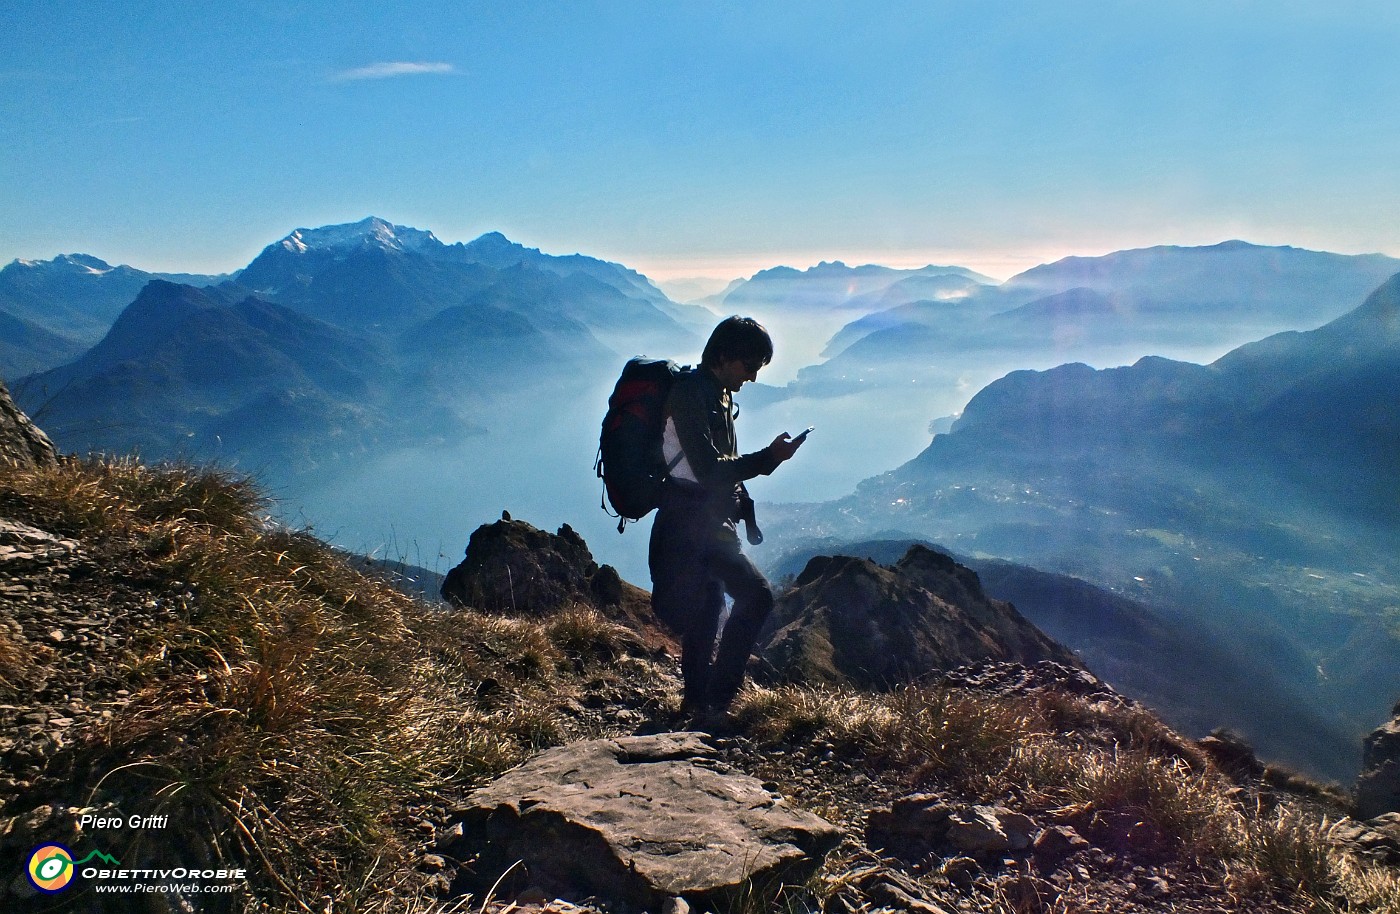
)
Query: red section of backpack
[{"x": 629, "y": 453}]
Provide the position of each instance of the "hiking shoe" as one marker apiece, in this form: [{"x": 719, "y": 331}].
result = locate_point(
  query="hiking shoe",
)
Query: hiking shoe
[
  {"x": 666, "y": 722},
  {"x": 715, "y": 721}
]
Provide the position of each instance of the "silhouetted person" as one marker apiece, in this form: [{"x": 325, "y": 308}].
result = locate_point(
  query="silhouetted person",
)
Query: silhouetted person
[{"x": 694, "y": 554}]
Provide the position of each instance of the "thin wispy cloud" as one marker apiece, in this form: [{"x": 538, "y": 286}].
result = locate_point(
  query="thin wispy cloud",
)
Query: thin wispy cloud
[{"x": 391, "y": 69}]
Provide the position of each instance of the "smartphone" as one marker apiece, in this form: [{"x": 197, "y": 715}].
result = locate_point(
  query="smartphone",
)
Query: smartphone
[{"x": 803, "y": 436}]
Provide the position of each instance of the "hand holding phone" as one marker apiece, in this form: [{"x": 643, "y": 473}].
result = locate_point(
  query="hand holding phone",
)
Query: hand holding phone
[{"x": 783, "y": 447}]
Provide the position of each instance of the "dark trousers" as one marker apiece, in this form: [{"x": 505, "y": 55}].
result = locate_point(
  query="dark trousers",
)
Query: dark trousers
[{"x": 695, "y": 560}]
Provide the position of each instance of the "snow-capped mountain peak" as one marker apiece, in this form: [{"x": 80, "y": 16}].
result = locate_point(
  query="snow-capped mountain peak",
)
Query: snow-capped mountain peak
[
  {"x": 371, "y": 232},
  {"x": 67, "y": 264}
]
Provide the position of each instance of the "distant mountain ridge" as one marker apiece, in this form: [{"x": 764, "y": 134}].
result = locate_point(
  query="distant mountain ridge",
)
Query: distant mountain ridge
[
  {"x": 54, "y": 309},
  {"x": 832, "y": 285},
  {"x": 1172, "y": 301},
  {"x": 373, "y": 274},
  {"x": 1227, "y": 271}
]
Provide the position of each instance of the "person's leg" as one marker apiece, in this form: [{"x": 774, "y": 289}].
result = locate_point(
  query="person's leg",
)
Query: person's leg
[
  {"x": 676, "y": 558},
  {"x": 698, "y": 646},
  {"x": 684, "y": 596},
  {"x": 753, "y": 601}
]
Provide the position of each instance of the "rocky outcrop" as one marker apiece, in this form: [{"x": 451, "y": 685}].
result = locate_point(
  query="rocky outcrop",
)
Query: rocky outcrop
[
  {"x": 516, "y": 568},
  {"x": 1378, "y": 787},
  {"x": 512, "y": 566},
  {"x": 22, "y": 443},
  {"x": 851, "y": 621},
  {"x": 1017, "y": 680},
  {"x": 1232, "y": 756},
  {"x": 639, "y": 820},
  {"x": 1377, "y": 840}
]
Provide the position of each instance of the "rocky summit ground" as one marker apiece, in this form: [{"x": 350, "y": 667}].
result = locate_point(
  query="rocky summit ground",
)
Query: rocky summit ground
[{"x": 258, "y": 704}]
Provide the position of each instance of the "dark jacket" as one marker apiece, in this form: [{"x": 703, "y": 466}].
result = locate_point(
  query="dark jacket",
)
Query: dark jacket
[{"x": 703, "y": 412}]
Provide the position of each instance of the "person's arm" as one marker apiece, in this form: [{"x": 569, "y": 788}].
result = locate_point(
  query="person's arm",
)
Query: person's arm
[{"x": 690, "y": 408}]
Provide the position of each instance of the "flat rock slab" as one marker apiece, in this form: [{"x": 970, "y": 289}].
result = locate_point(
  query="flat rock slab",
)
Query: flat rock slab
[{"x": 637, "y": 820}]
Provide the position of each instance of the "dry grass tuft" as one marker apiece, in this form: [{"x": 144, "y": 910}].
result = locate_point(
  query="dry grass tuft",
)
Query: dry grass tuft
[
  {"x": 16, "y": 660},
  {"x": 100, "y": 495},
  {"x": 1362, "y": 888}
]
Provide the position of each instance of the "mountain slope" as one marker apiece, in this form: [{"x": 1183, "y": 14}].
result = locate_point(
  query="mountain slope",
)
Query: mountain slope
[
  {"x": 26, "y": 347},
  {"x": 1255, "y": 493},
  {"x": 183, "y": 370}
]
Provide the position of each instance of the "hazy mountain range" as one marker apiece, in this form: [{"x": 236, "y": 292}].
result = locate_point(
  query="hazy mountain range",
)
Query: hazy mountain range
[
  {"x": 1255, "y": 494},
  {"x": 1169, "y": 301},
  {"x": 832, "y": 285},
  {"x": 804, "y": 308},
  {"x": 346, "y": 341},
  {"x": 918, "y": 360},
  {"x": 388, "y": 385}
]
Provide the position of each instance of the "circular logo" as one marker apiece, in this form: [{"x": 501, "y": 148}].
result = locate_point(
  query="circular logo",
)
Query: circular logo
[{"x": 51, "y": 868}]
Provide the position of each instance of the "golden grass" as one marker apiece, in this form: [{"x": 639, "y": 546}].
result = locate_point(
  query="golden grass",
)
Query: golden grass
[
  {"x": 1117, "y": 772},
  {"x": 122, "y": 494}
]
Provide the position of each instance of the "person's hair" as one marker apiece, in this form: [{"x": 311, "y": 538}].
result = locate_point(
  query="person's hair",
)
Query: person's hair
[{"x": 738, "y": 338}]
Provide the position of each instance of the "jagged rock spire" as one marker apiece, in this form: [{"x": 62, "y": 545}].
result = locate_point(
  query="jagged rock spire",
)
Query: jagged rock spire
[{"x": 22, "y": 443}]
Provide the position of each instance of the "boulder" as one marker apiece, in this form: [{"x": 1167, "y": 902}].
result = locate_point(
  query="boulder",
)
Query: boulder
[
  {"x": 1377, "y": 840},
  {"x": 1056, "y": 844},
  {"x": 911, "y": 828},
  {"x": 636, "y": 820},
  {"x": 850, "y": 621},
  {"x": 22, "y": 443},
  {"x": 883, "y": 889},
  {"x": 512, "y": 566},
  {"x": 917, "y": 825},
  {"x": 977, "y": 832},
  {"x": 1378, "y": 787}
]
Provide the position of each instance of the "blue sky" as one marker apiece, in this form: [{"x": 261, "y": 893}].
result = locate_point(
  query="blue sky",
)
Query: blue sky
[{"x": 701, "y": 139}]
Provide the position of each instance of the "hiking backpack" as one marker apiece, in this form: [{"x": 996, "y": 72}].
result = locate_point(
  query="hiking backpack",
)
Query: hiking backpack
[{"x": 629, "y": 461}]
